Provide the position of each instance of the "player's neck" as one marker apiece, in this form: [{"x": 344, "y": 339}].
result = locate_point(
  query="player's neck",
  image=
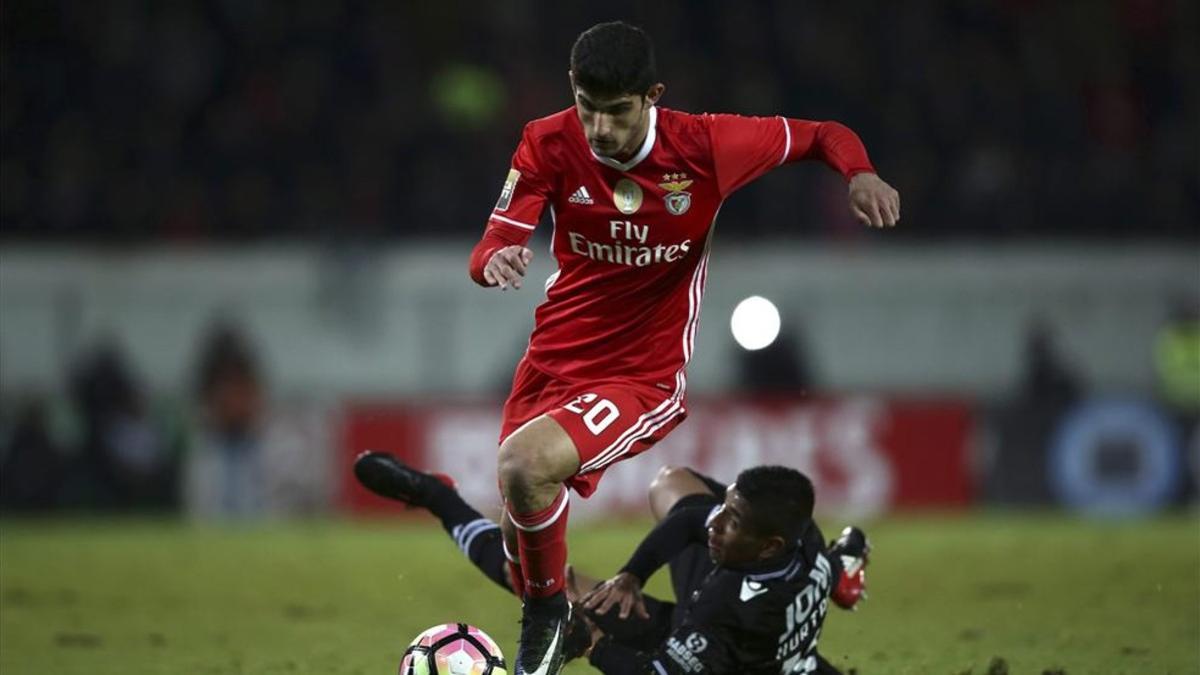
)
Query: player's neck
[{"x": 635, "y": 144}]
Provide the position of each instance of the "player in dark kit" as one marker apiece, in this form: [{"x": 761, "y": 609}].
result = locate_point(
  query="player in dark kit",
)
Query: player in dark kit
[
  {"x": 633, "y": 190},
  {"x": 748, "y": 566}
]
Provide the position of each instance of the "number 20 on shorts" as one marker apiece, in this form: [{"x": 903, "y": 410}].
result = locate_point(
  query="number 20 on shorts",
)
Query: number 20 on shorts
[{"x": 599, "y": 416}]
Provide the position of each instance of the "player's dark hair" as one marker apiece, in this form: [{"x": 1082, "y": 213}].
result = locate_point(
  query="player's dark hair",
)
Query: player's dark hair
[
  {"x": 780, "y": 499},
  {"x": 613, "y": 59}
]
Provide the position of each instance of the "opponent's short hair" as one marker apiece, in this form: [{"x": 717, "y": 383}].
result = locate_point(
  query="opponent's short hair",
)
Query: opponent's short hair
[
  {"x": 613, "y": 59},
  {"x": 780, "y": 499}
]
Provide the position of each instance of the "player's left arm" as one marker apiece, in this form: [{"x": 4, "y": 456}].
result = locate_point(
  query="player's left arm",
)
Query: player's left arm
[
  {"x": 745, "y": 148},
  {"x": 872, "y": 201}
]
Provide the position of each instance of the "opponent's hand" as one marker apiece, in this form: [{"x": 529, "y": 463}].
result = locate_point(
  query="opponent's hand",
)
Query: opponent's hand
[
  {"x": 624, "y": 590},
  {"x": 874, "y": 202},
  {"x": 507, "y": 266}
]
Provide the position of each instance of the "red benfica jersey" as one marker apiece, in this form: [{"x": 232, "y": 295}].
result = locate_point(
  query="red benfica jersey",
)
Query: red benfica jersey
[{"x": 632, "y": 238}]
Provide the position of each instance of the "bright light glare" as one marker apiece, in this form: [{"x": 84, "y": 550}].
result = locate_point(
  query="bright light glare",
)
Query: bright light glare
[{"x": 755, "y": 323}]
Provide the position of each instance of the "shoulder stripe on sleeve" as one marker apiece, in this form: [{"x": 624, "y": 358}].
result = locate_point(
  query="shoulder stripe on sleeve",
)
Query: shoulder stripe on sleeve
[
  {"x": 658, "y": 667},
  {"x": 510, "y": 221},
  {"x": 787, "y": 135}
]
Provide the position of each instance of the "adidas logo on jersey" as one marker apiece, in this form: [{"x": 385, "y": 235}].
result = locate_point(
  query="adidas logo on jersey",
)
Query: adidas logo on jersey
[{"x": 581, "y": 196}]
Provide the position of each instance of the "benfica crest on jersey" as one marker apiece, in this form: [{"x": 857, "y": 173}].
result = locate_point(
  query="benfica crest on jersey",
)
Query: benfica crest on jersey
[{"x": 677, "y": 201}]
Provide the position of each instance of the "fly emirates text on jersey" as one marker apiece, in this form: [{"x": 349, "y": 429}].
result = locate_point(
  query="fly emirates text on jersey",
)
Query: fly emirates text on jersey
[{"x": 628, "y": 246}]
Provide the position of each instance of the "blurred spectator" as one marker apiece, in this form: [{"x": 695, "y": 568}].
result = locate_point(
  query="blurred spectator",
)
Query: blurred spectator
[
  {"x": 213, "y": 119},
  {"x": 31, "y": 463},
  {"x": 1047, "y": 389},
  {"x": 224, "y": 475},
  {"x": 127, "y": 459},
  {"x": 1177, "y": 356},
  {"x": 1048, "y": 381},
  {"x": 781, "y": 367}
]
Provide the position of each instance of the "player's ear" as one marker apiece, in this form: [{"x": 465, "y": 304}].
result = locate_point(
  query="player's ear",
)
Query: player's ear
[
  {"x": 655, "y": 92},
  {"x": 772, "y": 546}
]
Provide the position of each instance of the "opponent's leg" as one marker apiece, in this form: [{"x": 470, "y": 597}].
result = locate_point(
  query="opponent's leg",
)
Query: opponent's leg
[
  {"x": 477, "y": 536},
  {"x": 673, "y": 483},
  {"x": 676, "y": 488},
  {"x": 533, "y": 463}
]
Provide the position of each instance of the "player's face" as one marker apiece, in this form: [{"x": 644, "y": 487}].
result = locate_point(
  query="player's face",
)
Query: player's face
[
  {"x": 616, "y": 126},
  {"x": 730, "y": 542}
]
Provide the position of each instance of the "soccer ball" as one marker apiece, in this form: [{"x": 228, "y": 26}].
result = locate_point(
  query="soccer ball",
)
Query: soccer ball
[{"x": 453, "y": 649}]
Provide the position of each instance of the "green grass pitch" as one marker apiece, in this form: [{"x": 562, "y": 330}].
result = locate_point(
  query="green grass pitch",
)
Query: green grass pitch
[{"x": 948, "y": 595}]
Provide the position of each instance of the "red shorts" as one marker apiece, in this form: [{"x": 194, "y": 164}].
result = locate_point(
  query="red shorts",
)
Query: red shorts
[{"x": 609, "y": 420}]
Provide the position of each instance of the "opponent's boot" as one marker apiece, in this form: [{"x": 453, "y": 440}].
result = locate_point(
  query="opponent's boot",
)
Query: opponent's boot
[
  {"x": 387, "y": 476},
  {"x": 854, "y": 550}
]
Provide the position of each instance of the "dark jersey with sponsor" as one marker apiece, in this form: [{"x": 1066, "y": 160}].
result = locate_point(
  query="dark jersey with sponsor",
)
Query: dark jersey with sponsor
[{"x": 763, "y": 620}]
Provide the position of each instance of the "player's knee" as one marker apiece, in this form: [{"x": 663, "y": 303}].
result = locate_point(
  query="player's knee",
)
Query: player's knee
[
  {"x": 522, "y": 466},
  {"x": 663, "y": 479},
  {"x": 664, "y": 490}
]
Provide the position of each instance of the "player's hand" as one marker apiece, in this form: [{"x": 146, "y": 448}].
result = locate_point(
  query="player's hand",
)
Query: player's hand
[
  {"x": 874, "y": 202},
  {"x": 624, "y": 590},
  {"x": 507, "y": 267}
]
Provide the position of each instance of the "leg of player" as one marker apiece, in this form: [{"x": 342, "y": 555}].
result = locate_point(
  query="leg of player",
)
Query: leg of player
[
  {"x": 512, "y": 553},
  {"x": 673, "y": 483},
  {"x": 477, "y": 536},
  {"x": 533, "y": 463}
]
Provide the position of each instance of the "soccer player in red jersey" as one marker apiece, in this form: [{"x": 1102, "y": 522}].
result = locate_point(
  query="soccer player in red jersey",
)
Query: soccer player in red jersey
[{"x": 633, "y": 190}]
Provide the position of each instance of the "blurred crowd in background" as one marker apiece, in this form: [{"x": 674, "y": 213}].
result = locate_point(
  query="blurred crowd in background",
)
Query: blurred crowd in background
[{"x": 202, "y": 120}]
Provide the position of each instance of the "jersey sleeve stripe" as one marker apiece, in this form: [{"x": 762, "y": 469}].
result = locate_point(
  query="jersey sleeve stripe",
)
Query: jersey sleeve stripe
[
  {"x": 787, "y": 144},
  {"x": 658, "y": 667},
  {"x": 510, "y": 221}
]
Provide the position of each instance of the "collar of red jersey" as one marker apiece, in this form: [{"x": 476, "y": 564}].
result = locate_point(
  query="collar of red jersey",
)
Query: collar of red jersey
[{"x": 643, "y": 152}]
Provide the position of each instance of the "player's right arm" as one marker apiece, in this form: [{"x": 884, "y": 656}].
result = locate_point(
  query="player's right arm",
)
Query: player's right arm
[
  {"x": 681, "y": 528},
  {"x": 501, "y": 257}
]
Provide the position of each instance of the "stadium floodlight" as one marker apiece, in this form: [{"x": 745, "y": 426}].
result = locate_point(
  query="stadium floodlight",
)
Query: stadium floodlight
[{"x": 755, "y": 323}]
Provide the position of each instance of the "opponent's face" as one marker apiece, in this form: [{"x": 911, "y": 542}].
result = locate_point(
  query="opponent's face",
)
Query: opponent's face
[
  {"x": 731, "y": 543},
  {"x": 615, "y": 126}
]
